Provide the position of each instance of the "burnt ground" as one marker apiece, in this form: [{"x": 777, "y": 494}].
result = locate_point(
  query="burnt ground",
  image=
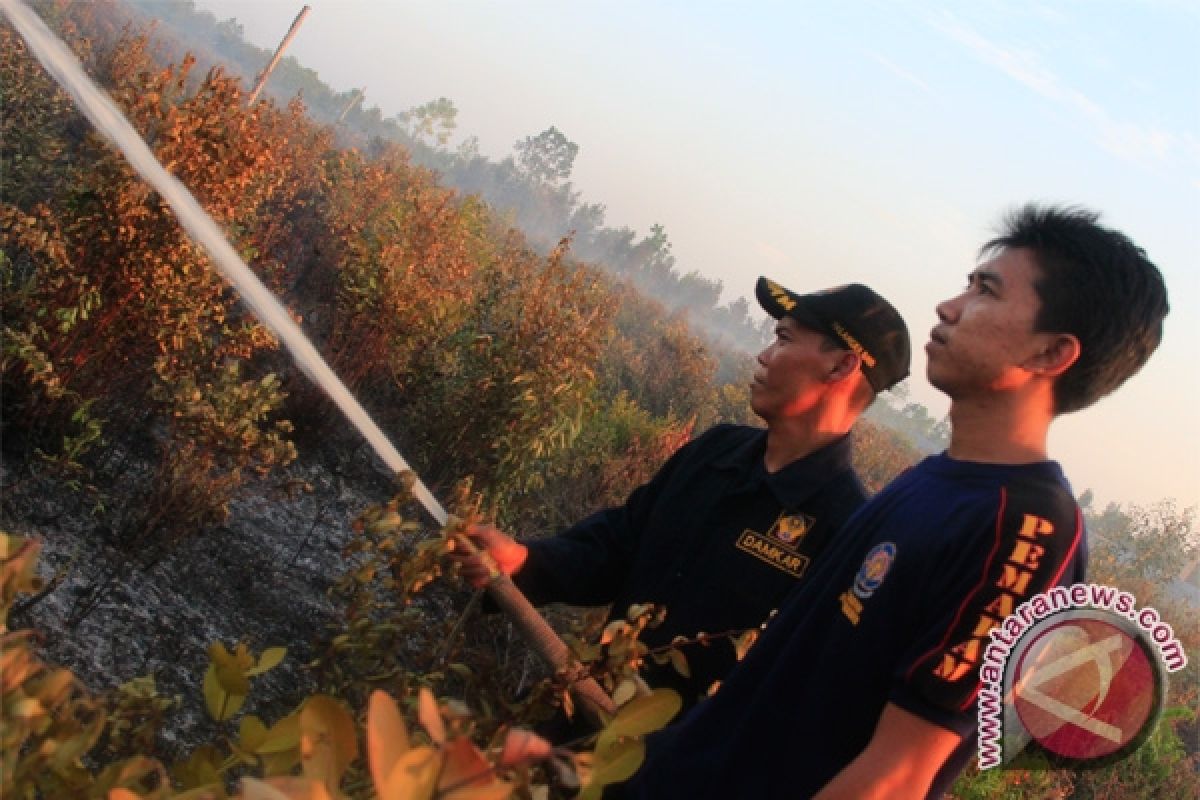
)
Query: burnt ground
[{"x": 261, "y": 577}]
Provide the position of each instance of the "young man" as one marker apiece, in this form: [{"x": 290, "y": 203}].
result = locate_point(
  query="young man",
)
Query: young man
[
  {"x": 864, "y": 684},
  {"x": 736, "y": 517}
]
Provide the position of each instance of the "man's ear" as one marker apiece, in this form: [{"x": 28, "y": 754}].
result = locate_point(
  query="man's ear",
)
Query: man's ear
[
  {"x": 846, "y": 365},
  {"x": 1058, "y": 352}
]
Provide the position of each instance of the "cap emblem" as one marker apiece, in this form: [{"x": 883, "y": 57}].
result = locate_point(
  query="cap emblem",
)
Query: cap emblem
[
  {"x": 854, "y": 345},
  {"x": 781, "y": 295}
]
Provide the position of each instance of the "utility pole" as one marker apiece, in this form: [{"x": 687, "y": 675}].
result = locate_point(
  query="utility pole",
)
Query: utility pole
[
  {"x": 262, "y": 78},
  {"x": 358, "y": 95}
]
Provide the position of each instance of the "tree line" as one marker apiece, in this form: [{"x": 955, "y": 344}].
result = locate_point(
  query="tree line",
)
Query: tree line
[{"x": 533, "y": 184}]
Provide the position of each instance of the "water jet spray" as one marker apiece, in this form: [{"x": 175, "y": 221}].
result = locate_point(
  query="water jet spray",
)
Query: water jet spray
[{"x": 64, "y": 67}]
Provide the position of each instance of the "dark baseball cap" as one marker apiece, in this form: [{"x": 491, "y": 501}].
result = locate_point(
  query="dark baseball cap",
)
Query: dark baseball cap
[{"x": 855, "y": 316}]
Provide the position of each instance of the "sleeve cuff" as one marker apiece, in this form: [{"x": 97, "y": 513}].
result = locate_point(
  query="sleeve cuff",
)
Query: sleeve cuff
[{"x": 961, "y": 722}]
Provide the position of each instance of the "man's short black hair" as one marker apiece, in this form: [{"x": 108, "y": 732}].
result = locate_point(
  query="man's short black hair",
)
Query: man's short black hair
[{"x": 1096, "y": 284}]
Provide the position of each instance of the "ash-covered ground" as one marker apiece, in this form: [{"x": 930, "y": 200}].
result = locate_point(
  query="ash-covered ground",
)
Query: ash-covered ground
[{"x": 261, "y": 577}]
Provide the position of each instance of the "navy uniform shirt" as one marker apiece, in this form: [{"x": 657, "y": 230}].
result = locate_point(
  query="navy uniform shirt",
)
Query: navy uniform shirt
[
  {"x": 712, "y": 537},
  {"x": 897, "y": 610}
]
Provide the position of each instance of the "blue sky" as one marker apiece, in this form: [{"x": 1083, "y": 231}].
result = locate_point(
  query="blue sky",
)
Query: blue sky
[{"x": 821, "y": 143}]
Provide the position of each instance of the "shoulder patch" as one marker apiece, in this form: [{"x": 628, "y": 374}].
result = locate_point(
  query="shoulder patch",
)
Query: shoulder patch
[
  {"x": 869, "y": 578},
  {"x": 874, "y": 569},
  {"x": 1036, "y": 538}
]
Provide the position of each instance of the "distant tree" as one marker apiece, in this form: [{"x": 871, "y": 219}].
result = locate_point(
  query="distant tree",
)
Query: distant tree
[
  {"x": 468, "y": 149},
  {"x": 587, "y": 218},
  {"x": 696, "y": 291},
  {"x": 924, "y": 425},
  {"x": 739, "y": 312},
  {"x": 230, "y": 32},
  {"x": 548, "y": 158},
  {"x": 1147, "y": 545},
  {"x": 653, "y": 262},
  {"x": 433, "y": 122}
]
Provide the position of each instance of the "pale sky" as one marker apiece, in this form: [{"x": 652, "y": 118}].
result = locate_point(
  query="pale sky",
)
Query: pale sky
[{"x": 823, "y": 143}]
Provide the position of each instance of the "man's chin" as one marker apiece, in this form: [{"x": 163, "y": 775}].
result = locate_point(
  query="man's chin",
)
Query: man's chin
[{"x": 936, "y": 380}]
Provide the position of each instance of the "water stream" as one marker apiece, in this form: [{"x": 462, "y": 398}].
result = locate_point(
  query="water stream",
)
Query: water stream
[{"x": 108, "y": 119}]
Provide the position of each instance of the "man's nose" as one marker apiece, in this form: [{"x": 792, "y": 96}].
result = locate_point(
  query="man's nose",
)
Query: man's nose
[{"x": 948, "y": 310}]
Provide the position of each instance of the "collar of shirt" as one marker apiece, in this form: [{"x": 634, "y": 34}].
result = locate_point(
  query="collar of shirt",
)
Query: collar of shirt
[
  {"x": 798, "y": 481},
  {"x": 943, "y": 464}
]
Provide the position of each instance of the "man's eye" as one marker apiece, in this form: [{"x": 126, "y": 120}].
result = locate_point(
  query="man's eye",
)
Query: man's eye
[{"x": 978, "y": 284}]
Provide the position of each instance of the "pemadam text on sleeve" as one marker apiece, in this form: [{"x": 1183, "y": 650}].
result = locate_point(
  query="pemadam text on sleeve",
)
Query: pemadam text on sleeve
[{"x": 1035, "y": 541}]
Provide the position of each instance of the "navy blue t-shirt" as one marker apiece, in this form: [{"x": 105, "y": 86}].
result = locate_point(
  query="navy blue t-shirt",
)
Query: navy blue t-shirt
[{"x": 897, "y": 610}]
